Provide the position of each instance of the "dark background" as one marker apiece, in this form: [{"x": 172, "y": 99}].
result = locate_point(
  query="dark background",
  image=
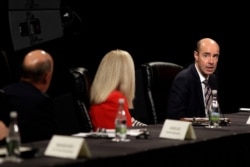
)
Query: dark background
[{"x": 150, "y": 31}]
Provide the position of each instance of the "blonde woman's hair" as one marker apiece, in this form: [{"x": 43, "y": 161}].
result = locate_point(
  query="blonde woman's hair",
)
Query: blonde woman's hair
[{"x": 116, "y": 71}]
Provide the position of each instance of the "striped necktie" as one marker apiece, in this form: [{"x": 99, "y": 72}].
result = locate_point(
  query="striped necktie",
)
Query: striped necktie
[{"x": 208, "y": 93}]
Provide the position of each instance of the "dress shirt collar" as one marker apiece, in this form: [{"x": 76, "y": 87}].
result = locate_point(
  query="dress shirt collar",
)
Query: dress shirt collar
[{"x": 202, "y": 78}]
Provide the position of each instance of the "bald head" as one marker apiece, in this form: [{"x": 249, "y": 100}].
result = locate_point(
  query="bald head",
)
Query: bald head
[
  {"x": 37, "y": 68},
  {"x": 33, "y": 58},
  {"x": 207, "y": 43}
]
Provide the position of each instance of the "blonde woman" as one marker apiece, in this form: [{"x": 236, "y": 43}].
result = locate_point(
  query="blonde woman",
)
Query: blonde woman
[{"x": 114, "y": 79}]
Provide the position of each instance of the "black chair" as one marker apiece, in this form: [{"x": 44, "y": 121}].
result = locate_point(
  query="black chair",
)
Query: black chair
[
  {"x": 158, "y": 77},
  {"x": 81, "y": 82},
  {"x": 71, "y": 107},
  {"x": 4, "y": 108},
  {"x": 5, "y": 69},
  {"x": 140, "y": 112},
  {"x": 4, "y": 111},
  {"x": 67, "y": 116}
]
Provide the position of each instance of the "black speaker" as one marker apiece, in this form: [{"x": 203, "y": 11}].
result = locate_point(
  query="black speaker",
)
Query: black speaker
[{"x": 34, "y": 21}]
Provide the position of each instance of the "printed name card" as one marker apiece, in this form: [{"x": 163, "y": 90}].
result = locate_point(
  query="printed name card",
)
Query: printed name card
[
  {"x": 67, "y": 147},
  {"x": 175, "y": 129},
  {"x": 248, "y": 121}
]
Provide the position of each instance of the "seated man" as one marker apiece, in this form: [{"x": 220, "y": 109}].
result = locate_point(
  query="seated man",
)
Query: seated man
[
  {"x": 28, "y": 97},
  {"x": 188, "y": 95}
]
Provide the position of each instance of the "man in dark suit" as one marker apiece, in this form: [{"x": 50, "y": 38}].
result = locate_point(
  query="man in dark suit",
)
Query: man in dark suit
[
  {"x": 28, "y": 97},
  {"x": 187, "y": 97}
]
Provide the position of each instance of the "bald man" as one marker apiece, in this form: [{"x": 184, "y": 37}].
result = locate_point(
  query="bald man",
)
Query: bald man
[
  {"x": 37, "y": 69},
  {"x": 186, "y": 98},
  {"x": 28, "y": 97}
]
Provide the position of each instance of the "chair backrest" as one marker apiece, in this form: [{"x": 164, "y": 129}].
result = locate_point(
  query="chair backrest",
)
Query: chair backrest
[
  {"x": 158, "y": 77},
  {"x": 4, "y": 107},
  {"x": 67, "y": 116},
  {"x": 4, "y": 112},
  {"x": 5, "y": 69},
  {"x": 81, "y": 91},
  {"x": 140, "y": 112}
]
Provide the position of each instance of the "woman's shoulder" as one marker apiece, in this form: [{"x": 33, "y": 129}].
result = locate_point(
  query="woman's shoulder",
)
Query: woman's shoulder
[{"x": 116, "y": 94}]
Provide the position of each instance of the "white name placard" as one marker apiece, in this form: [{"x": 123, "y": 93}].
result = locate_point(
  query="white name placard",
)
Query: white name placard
[
  {"x": 67, "y": 147},
  {"x": 175, "y": 129},
  {"x": 248, "y": 121}
]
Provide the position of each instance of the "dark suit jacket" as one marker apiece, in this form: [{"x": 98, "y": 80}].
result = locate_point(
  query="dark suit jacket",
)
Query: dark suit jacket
[
  {"x": 186, "y": 96},
  {"x": 35, "y": 111}
]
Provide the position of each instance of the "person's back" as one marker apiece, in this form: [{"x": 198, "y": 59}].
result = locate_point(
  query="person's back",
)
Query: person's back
[
  {"x": 28, "y": 97},
  {"x": 114, "y": 79}
]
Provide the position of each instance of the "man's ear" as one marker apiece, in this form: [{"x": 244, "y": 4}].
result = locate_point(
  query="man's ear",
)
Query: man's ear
[
  {"x": 45, "y": 78},
  {"x": 196, "y": 54}
]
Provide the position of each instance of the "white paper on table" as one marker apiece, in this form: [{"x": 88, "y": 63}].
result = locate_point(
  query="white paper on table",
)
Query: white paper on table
[
  {"x": 3, "y": 151},
  {"x": 110, "y": 133}
]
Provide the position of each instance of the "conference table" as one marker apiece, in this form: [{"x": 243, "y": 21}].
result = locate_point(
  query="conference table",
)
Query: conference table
[{"x": 228, "y": 145}]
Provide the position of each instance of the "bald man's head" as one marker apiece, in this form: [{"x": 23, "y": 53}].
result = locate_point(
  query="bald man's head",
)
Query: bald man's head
[
  {"x": 37, "y": 67},
  {"x": 207, "y": 42},
  {"x": 33, "y": 58}
]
